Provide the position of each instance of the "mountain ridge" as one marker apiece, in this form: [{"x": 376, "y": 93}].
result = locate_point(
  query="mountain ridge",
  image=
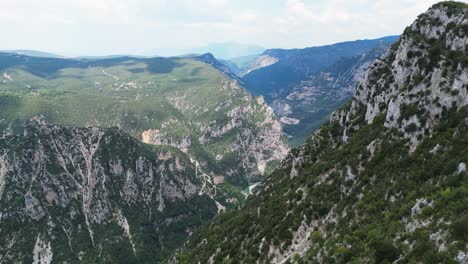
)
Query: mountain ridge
[
  {"x": 194, "y": 103},
  {"x": 304, "y": 86},
  {"x": 383, "y": 181},
  {"x": 67, "y": 195}
]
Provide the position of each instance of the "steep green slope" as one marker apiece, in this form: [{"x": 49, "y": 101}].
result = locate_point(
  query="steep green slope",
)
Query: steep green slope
[
  {"x": 384, "y": 181},
  {"x": 194, "y": 104},
  {"x": 91, "y": 195}
]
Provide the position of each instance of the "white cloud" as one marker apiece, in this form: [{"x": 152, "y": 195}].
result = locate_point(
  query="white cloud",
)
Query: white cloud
[{"x": 130, "y": 26}]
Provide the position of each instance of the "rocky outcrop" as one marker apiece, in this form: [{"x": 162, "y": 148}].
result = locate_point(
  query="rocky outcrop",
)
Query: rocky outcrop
[
  {"x": 417, "y": 79},
  {"x": 75, "y": 191},
  {"x": 155, "y": 137},
  {"x": 259, "y": 62},
  {"x": 258, "y": 138}
]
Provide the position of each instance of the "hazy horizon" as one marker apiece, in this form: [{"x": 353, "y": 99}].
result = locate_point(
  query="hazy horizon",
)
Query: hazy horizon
[
  {"x": 160, "y": 27},
  {"x": 201, "y": 50}
]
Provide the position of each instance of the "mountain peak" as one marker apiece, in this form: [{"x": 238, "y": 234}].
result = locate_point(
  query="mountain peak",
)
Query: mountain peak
[
  {"x": 210, "y": 59},
  {"x": 420, "y": 77}
]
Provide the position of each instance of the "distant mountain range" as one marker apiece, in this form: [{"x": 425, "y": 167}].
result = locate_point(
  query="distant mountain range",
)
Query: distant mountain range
[
  {"x": 33, "y": 53},
  {"x": 289, "y": 67},
  {"x": 228, "y": 50},
  {"x": 304, "y": 86}
]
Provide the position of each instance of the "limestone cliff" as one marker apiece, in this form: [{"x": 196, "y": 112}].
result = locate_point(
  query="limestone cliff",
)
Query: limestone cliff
[{"x": 94, "y": 195}]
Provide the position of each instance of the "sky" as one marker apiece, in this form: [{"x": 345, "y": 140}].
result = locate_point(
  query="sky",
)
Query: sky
[{"x": 169, "y": 27}]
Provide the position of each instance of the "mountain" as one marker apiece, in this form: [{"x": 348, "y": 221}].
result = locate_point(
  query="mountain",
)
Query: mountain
[
  {"x": 278, "y": 69},
  {"x": 118, "y": 160},
  {"x": 33, "y": 53},
  {"x": 103, "y": 57},
  {"x": 304, "y": 86},
  {"x": 228, "y": 50},
  {"x": 307, "y": 105},
  {"x": 89, "y": 195},
  {"x": 193, "y": 104},
  {"x": 384, "y": 181},
  {"x": 238, "y": 64},
  {"x": 209, "y": 59}
]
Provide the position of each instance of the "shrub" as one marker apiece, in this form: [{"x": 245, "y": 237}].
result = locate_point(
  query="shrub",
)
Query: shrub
[
  {"x": 385, "y": 250},
  {"x": 459, "y": 228},
  {"x": 316, "y": 236}
]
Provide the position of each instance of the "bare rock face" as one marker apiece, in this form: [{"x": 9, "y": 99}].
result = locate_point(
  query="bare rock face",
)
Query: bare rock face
[
  {"x": 243, "y": 143},
  {"x": 412, "y": 84},
  {"x": 260, "y": 62},
  {"x": 154, "y": 136},
  {"x": 255, "y": 139},
  {"x": 78, "y": 193}
]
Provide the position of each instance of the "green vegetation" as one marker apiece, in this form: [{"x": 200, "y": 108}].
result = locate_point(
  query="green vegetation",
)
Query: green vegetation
[
  {"x": 373, "y": 226},
  {"x": 378, "y": 197},
  {"x": 179, "y": 97}
]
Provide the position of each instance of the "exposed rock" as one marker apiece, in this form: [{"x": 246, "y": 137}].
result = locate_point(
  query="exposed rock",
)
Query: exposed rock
[
  {"x": 42, "y": 253},
  {"x": 77, "y": 182},
  {"x": 410, "y": 102},
  {"x": 154, "y": 136},
  {"x": 289, "y": 120},
  {"x": 260, "y": 62},
  {"x": 461, "y": 167},
  {"x": 462, "y": 257}
]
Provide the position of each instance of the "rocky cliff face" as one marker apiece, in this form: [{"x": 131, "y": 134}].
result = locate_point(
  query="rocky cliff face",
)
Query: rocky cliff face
[
  {"x": 257, "y": 138},
  {"x": 94, "y": 195},
  {"x": 260, "y": 62},
  {"x": 384, "y": 181},
  {"x": 418, "y": 79}
]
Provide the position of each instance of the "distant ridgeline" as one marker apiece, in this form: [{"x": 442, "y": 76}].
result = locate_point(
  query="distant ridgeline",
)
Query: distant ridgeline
[
  {"x": 304, "y": 86},
  {"x": 118, "y": 160},
  {"x": 384, "y": 181}
]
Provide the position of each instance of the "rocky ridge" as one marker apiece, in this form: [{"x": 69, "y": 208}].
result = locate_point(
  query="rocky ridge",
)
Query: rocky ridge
[
  {"x": 69, "y": 194},
  {"x": 418, "y": 79}
]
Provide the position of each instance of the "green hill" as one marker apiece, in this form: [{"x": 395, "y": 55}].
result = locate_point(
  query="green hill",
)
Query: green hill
[{"x": 189, "y": 103}]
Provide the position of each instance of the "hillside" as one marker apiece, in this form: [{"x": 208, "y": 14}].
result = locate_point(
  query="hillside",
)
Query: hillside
[
  {"x": 304, "y": 86},
  {"x": 194, "y": 104},
  {"x": 92, "y": 195},
  {"x": 383, "y": 181}
]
